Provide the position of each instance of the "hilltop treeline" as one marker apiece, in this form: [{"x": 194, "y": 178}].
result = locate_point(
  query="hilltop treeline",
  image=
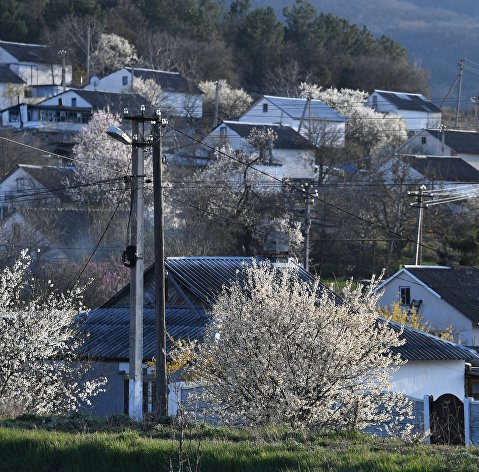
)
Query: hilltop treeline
[{"x": 209, "y": 40}]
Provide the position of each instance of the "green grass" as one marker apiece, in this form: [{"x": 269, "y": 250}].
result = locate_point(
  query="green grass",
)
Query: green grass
[{"x": 33, "y": 445}]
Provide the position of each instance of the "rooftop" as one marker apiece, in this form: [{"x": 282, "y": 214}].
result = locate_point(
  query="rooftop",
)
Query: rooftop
[
  {"x": 288, "y": 138},
  {"x": 25, "y": 52},
  {"x": 7, "y": 76},
  {"x": 409, "y": 101},
  {"x": 169, "y": 81},
  {"x": 436, "y": 168},
  {"x": 295, "y": 107},
  {"x": 463, "y": 142}
]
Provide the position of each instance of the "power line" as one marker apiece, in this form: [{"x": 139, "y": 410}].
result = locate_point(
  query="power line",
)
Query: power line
[{"x": 307, "y": 194}]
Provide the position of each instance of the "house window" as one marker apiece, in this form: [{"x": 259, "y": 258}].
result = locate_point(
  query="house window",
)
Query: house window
[
  {"x": 405, "y": 295},
  {"x": 423, "y": 140},
  {"x": 60, "y": 102},
  {"x": 20, "y": 184},
  {"x": 265, "y": 108},
  {"x": 223, "y": 132},
  {"x": 74, "y": 102},
  {"x": 124, "y": 80},
  {"x": 375, "y": 101}
]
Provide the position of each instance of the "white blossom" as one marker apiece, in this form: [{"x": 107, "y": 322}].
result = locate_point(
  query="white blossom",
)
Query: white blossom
[
  {"x": 112, "y": 52},
  {"x": 282, "y": 350},
  {"x": 232, "y": 102},
  {"x": 364, "y": 126},
  {"x": 40, "y": 338}
]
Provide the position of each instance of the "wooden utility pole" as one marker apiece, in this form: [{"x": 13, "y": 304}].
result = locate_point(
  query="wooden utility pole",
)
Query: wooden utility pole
[
  {"x": 159, "y": 268},
  {"x": 307, "y": 227}
]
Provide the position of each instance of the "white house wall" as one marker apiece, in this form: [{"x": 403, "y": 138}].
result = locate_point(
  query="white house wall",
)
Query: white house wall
[
  {"x": 66, "y": 99},
  {"x": 436, "y": 311},
  {"x": 417, "y": 120},
  {"x": 419, "y": 378}
]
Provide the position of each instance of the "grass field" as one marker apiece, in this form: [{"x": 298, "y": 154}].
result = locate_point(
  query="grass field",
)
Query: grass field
[{"x": 52, "y": 445}]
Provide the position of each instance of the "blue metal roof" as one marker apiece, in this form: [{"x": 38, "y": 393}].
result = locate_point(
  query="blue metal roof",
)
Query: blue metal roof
[
  {"x": 108, "y": 331},
  {"x": 200, "y": 277},
  {"x": 294, "y": 107},
  {"x": 423, "y": 346},
  {"x": 108, "y": 336}
]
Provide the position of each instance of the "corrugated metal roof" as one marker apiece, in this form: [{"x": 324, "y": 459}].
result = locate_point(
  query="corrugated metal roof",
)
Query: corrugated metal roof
[
  {"x": 294, "y": 107},
  {"x": 204, "y": 277},
  {"x": 421, "y": 346},
  {"x": 108, "y": 331},
  {"x": 108, "y": 336}
]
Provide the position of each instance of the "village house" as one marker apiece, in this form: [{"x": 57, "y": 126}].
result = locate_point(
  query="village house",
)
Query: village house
[
  {"x": 192, "y": 285},
  {"x": 442, "y": 295},
  {"x": 37, "y": 72},
  {"x": 312, "y": 118},
  {"x": 289, "y": 156},
  {"x": 38, "y": 186},
  {"x": 433, "y": 171},
  {"x": 416, "y": 110},
  {"x": 179, "y": 96},
  {"x": 445, "y": 143}
]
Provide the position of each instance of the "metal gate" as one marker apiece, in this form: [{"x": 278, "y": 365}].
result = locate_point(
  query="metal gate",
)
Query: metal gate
[{"x": 447, "y": 420}]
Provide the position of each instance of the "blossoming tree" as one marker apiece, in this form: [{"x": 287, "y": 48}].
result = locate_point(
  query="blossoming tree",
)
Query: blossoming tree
[
  {"x": 40, "y": 340},
  {"x": 282, "y": 350}
]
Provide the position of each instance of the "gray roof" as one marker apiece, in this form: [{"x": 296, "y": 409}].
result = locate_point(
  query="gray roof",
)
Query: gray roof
[
  {"x": 29, "y": 52},
  {"x": 7, "y": 76},
  {"x": 288, "y": 138},
  {"x": 169, "y": 81},
  {"x": 463, "y": 142},
  {"x": 409, "y": 101},
  {"x": 420, "y": 346},
  {"x": 108, "y": 331},
  {"x": 108, "y": 336},
  {"x": 115, "y": 102},
  {"x": 201, "y": 278},
  {"x": 294, "y": 107},
  {"x": 458, "y": 287},
  {"x": 450, "y": 169}
]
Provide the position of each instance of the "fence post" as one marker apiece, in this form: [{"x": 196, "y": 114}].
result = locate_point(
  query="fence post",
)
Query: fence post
[
  {"x": 467, "y": 422},
  {"x": 174, "y": 397},
  {"x": 427, "y": 420}
]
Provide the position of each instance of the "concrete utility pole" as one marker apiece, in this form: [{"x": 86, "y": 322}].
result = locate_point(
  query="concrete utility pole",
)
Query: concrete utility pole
[
  {"x": 458, "y": 106},
  {"x": 137, "y": 241},
  {"x": 420, "y": 194},
  {"x": 134, "y": 257},
  {"x": 217, "y": 102},
  {"x": 159, "y": 269},
  {"x": 63, "y": 54}
]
